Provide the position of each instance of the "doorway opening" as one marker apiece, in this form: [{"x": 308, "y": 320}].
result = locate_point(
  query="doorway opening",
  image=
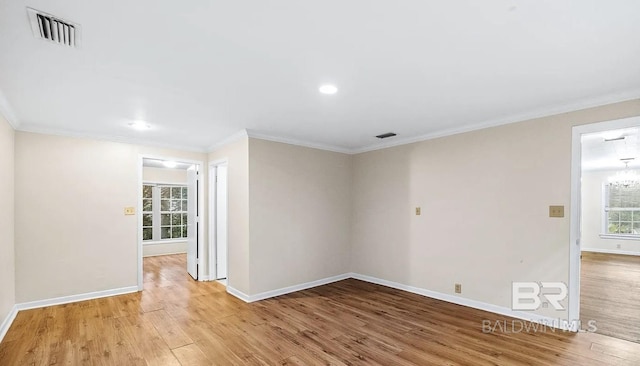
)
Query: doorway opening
[
  {"x": 219, "y": 220},
  {"x": 605, "y": 228},
  {"x": 169, "y": 216}
]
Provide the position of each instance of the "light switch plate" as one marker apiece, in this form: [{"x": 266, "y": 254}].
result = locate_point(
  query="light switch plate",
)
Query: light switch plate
[
  {"x": 417, "y": 211},
  {"x": 129, "y": 211},
  {"x": 556, "y": 211}
]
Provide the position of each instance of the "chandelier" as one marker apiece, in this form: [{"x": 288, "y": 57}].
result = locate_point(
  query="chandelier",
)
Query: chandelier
[{"x": 626, "y": 178}]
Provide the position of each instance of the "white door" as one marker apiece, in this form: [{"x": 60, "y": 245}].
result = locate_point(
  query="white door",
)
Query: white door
[
  {"x": 221, "y": 222},
  {"x": 192, "y": 219}
]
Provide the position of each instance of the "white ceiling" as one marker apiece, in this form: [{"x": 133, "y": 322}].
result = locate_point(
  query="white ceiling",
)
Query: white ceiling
[
  {"x": 198, "y": 71},
  {"x": 600, "y": 154}
]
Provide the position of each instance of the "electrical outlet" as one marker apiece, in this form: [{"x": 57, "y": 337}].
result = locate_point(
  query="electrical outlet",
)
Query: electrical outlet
[
  {"x": 129, "y": 211},
  {"x": 619, "y": 246},
  {"x": 458, "y": 288},
  {"x": 417, "y": 211}
]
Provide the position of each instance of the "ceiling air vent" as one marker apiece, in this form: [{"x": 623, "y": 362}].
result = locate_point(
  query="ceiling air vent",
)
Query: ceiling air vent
[
  {"x": 51, "y": 28},
  {"x": 386, "y": 135}
]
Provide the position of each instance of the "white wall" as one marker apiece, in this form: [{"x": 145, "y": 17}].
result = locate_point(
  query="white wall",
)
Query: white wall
[
  {"x": 7, "y": 257},
  {"x": 237, "y": 154},
  {"x": 170, "y": 176},
  {"x": 300, "y": 214},
  {"x": 484, "y": 197},
  {"x": 592, "y": 182},
  {"x": 72, "y": 236}
]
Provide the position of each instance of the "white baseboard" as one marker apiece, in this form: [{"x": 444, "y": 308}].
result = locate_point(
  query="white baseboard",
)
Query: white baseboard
[
  {"x": 239, "y": 294},
  {"x": 75, "y": 298},
  {"x": 535, "y": 318},
  {"x": 285, "y": 290},
  {"x": 8, "y": 320},
  {"x": 610, "y": 251}
]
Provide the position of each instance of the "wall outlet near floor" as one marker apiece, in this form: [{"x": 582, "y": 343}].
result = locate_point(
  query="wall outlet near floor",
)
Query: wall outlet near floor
[
  {"x": 129, "y": 211},
  {"x": 619, "y": 246},
  {"x": 458, "y": 288},
  {"x": 417, "y": 211}
]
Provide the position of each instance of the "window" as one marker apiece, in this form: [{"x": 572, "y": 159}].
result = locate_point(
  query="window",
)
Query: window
[
  {"x": 164, "y": 212},
  {"x": 622, "y": 210}
]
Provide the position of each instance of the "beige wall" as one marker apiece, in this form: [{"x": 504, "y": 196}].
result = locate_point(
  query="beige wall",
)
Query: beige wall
[
  {"x": 592, "y": 182},
  {"x": 72, "y": 236},
  {"x": 300, "y": 209},
  {"x": 237, "y": 154},
  {"x": 484, "y": 197},
  {"x": 164, "y": 175},
  {"x": 7, "y": 257}
]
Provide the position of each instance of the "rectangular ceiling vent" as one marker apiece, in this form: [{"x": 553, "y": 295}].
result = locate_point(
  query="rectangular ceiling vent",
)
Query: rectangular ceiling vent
[
  {"x": 48, "y": 27},
  {"x": 386, "y": 135}
]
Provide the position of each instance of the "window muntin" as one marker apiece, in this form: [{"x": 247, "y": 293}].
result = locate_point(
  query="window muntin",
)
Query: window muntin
[
  {"x": 164, "y": 212},
  {"x": 622, "y": 210}
]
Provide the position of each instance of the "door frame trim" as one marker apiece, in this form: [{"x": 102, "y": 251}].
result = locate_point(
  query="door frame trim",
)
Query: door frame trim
[
  {"x": 213, "y": 252},
  {"x": 576, "y": 174},
  {"x": 202, "y": 213}
]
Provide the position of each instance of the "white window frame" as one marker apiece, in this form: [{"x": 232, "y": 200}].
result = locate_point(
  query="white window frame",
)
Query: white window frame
[
  {"x": 605, "y": 218},
  {"x": 157, "y": 214}
]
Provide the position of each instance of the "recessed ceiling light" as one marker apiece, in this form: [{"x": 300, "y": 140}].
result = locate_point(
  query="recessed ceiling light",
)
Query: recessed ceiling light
[
  {"x": 169, "y": 164},
  {"x": 328, "y": 89},
  {"x": 139, "y": 125}
]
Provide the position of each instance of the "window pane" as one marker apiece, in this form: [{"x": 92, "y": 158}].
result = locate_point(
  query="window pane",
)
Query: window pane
[
  {"x": 165, "y": 205},
  {"x": 147, "y": 220},
  {"x": 165, "y": 219},
  {"x": 147, "y": 233},
  {"x": 165, "y": 232},
  {"x": 184, "y": 219},
  {"x": 636, "y": 227},
  {"x": 624, "y": 197},
  {"x": 625, "y": 215},
  {"x": 147, "y": 205},
  {"x": 175, "y": 219},
  {"x": 614, "y": 216},
  {"x": 176, "y": 192},
  {"x": 175, "y": 205},
  {"x": 184, "y": 205},
  {"x": 147, "y": 191},
  {"x": 613, "y": 228},
  {"x": 185, "y": 192},
  {"x": 176, "y": 232},
  {"x": 165, "y": 192},
  {"x": 184, "y": 231},
  {"x": 625, "y": 228}
]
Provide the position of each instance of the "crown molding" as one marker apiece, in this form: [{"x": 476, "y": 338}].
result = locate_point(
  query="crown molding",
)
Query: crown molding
[
  {"x": 229, "y": 140},
  {"x": 7, "y": 112},
  {"x": 298, "y": 142},
  {"x": 539, "y": 113},
  {"x": 110, "y": 138}
]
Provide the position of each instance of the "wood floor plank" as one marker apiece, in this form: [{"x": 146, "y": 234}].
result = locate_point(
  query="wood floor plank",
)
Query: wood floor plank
[
  {"x": 610, "y": 294},
  {"x": 191, "y": 355},
  {"x": 178, "y": 321},
  {"x": 168, "y": 329}
]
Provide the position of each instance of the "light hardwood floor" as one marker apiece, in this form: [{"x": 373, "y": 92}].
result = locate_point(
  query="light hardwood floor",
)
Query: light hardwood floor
[
  {"x": 610, "y": 294},
  {"x": 176, "y": 321}
]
